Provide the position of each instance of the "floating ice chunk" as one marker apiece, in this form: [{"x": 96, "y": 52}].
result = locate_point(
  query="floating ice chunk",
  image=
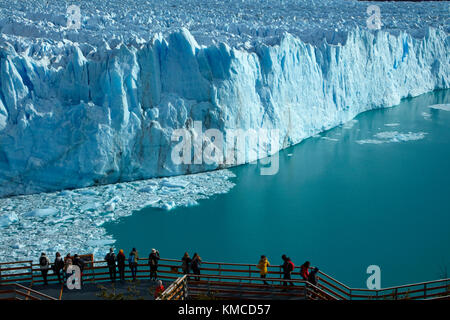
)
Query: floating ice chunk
[
  {"x": 329, "y": 139},
  {"x": 393, "y": 136},
  {"x": 151, "y": 201},
  {"x": 349, "y": 124},
  {"x": 65, "y": 193},
  {"x": 426, "y": 115},
  {"x": 42, "y": 212},
  {"x": 369, "y": 141},
  {"x": 191, "y": 203},
  {"x": 444, "y": 107},
  {"x": 87, "y": 192},
  {"x": 96, "y": 243},
  {"x": 17, "y": 246},
  {"x": 289, "y": 155},
  {"x": 392, "y": 124},
  {"x": 90, "y": 206},
  {"x": 175, "y": 183},
  {"x": 8, "y": 218},
  {"x": 147, "y": 189},
  {"x": 168, "y": 205},
  {"x": 110, "y": 206}
]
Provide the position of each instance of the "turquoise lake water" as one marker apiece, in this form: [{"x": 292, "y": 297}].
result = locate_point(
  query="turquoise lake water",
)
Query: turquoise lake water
[{"x": 338, "y": 203}]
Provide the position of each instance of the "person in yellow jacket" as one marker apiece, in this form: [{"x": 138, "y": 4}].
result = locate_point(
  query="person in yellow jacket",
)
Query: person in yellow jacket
[{"x": 262, "y": 266}]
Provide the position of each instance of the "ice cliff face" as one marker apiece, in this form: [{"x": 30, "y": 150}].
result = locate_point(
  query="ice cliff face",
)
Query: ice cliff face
[{"x": 109, "y": 116}]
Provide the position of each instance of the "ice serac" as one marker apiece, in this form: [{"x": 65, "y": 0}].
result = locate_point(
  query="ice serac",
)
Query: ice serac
[{"x": 106, "y": 117}]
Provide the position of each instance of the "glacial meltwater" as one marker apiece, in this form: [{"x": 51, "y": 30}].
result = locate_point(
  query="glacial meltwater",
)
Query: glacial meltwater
[{"x": 375, "y": 191}]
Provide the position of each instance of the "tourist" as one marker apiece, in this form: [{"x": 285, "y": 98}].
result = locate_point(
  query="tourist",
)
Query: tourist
[
  {"x": 304, "y": 270},
  {"x": 121, "y": 264},
  {"x": 262, "y": 266},
  {"x": 312, "y": 277},
  {"x": 186, "y": 263},
  {"x": 77, "y": 261},
  {"x": 159, "y": 289},
  {"x": 153, "y": 262},
  {"x": 195, "y": 264},
  {"x": 133, "y": 262},
  {"x": 44, "y": 263},
  {"x": 288, "y": 267},
  {"x": 58, "y": 266},
  {"x": 111, "y": 261}
]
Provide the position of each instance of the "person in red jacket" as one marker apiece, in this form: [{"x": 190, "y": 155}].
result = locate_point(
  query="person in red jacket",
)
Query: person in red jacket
[
  {"x": 288, "y": 267},
  {"x": 304, "y": 270},
  {"x": 159, "y": 289}
]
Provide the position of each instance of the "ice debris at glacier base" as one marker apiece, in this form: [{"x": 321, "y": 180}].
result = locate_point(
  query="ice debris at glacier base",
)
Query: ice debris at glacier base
[{"x": 71, "y": 220}]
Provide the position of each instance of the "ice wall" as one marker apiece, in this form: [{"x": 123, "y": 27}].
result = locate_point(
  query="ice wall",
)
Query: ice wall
[{"x": 75, "y": 120}]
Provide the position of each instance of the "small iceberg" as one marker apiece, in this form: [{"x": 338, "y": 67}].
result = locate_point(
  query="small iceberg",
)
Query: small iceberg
[
  {"x": 42, "y": 212},
  {"x": 96, "y": 243},
  {"x": 8, "y": 218},
  {"x": 393, "y": 137},
  {"x": 444, "y": 107}
]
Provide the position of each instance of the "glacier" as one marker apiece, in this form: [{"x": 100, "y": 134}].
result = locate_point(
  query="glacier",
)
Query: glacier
[{"x": 79, "y": 109}]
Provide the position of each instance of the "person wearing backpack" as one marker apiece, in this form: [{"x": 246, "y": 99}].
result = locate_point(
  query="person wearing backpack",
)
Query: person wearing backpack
[
  {"x": 44, "y": 264},
  {"x": 288, "y": 267},
  {"x": 312, "y": 277},
  {"x": 58, "y": 266},
  {"x": 110, "y": 259},
  {"x": 121, "y": 264},
  {"x": 304, "y": 270},
  {"x": 133, "y": 262},
  {"x": 262, "y": 266},
  {"x": 153, "y": 259},
  {"x": 77, "y": 261},
  {"x": 195, "y": 265}
]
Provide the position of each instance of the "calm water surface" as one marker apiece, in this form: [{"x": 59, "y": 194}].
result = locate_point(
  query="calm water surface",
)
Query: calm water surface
[{"x": 340, "y": 204}]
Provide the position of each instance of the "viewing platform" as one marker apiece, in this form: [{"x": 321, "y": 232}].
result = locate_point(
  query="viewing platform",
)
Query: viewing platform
[{"x": 22, "y": 280}]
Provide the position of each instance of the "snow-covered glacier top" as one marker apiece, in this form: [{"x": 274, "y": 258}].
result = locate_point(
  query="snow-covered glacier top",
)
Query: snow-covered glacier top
[{"x": 236, "y": 22}]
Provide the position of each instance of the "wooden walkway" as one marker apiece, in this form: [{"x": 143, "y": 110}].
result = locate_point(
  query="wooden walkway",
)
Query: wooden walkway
[{"x": 218, "y": 281}]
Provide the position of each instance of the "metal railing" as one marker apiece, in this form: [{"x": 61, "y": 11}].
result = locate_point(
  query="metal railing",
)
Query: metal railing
[
  {"x": 17, "y": 291},
  {"x": 176, "y": 291},
  {"x": 230, "y": 274}
]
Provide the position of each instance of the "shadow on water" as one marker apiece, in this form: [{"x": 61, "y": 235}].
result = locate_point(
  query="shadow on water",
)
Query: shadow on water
[{"x": 340, "y": 204}]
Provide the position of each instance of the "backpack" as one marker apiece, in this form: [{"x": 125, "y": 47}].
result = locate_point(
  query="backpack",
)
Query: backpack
[
  {"x": 110, "y": 258},
  {"x": 43, "y": 262},
  {"x": 291, "y": 266},
  {"x": 131, "y": 259},
  {"x": 59, "y": 264}
]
